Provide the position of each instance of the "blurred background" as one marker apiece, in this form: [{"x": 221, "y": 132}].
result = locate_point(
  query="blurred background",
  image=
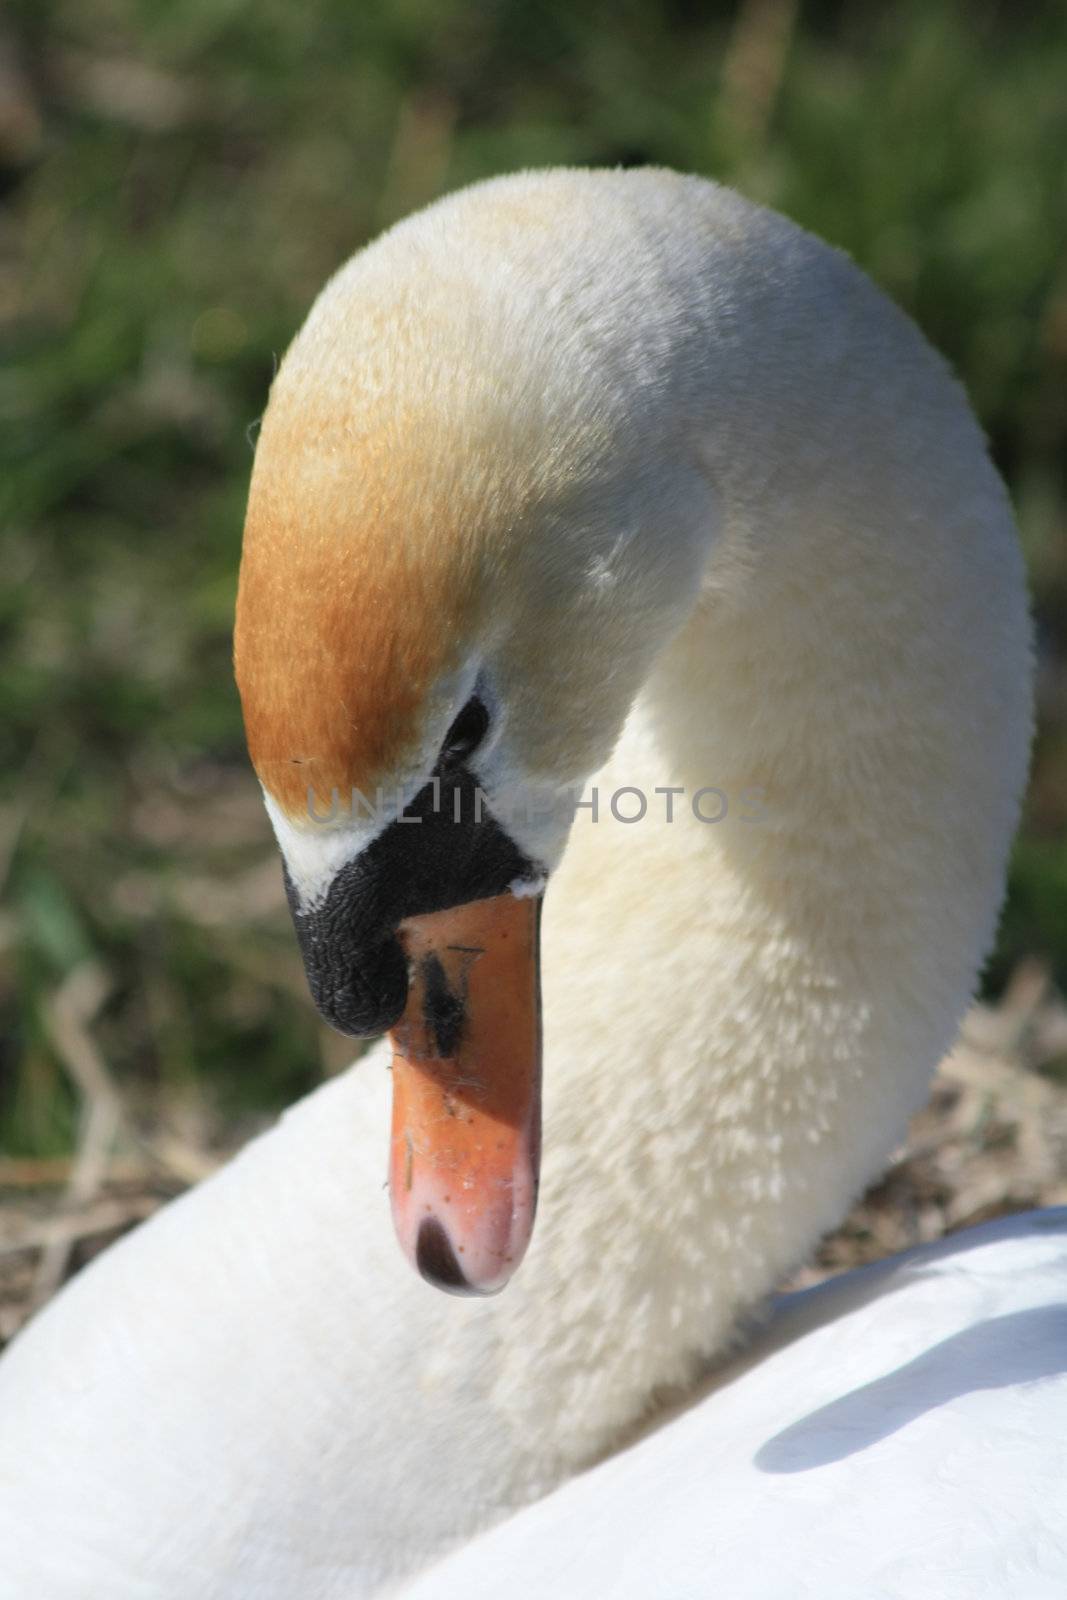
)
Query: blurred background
[{"x": 177, "y": 180}]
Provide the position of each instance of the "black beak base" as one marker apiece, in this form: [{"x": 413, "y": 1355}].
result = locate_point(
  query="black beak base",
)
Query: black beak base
[{"x": 445, "y": 851}]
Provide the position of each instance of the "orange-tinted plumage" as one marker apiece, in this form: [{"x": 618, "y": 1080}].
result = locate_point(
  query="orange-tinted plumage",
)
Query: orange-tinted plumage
[{"x": 351, "y": 600}]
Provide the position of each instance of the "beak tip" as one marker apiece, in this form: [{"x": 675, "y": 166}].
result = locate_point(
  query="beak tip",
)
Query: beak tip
[{"x": 438, "y": 1264}]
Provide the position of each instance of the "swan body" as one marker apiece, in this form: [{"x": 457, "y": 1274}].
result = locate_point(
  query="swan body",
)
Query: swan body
[
  {"x": 691, "y": 507},
  {"x": 895, "y": 1432}
]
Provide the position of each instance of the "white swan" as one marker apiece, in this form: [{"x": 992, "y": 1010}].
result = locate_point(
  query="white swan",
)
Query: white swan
[{"x": 672, "y": 490}]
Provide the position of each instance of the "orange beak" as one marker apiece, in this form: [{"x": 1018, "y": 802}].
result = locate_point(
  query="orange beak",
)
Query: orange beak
[{"x": 466, "y": 1139}]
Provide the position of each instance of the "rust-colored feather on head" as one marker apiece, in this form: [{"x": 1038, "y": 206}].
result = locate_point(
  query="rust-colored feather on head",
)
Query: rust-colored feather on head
[{"x": 355, "y": 596}]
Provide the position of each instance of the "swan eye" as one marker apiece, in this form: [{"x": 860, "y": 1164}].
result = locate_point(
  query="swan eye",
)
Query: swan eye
[{"x": 465, "y": 734}]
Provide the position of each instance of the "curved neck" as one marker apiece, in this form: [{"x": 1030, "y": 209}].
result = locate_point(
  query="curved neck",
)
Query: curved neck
[{"x": 741, "y": 1013}]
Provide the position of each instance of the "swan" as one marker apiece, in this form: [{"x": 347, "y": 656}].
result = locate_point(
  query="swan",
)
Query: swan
[{"x": 630, "y": 507}]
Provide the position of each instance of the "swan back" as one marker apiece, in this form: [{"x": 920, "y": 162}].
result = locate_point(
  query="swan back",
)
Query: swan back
[{"x": 899, "y": 1431}]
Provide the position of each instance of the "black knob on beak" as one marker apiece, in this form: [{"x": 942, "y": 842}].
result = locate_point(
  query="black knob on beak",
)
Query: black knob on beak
[{"x": 447, "y": 852}]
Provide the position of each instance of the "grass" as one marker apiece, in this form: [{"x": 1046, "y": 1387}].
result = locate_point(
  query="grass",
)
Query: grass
[{"x": 178, "y": 180}]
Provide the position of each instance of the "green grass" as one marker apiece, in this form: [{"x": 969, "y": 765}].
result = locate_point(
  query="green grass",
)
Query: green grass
[{"x": 179, "y": 179}]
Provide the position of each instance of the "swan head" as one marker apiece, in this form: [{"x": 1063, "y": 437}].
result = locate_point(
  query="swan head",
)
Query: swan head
[{"x": 456, "y": 572}]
